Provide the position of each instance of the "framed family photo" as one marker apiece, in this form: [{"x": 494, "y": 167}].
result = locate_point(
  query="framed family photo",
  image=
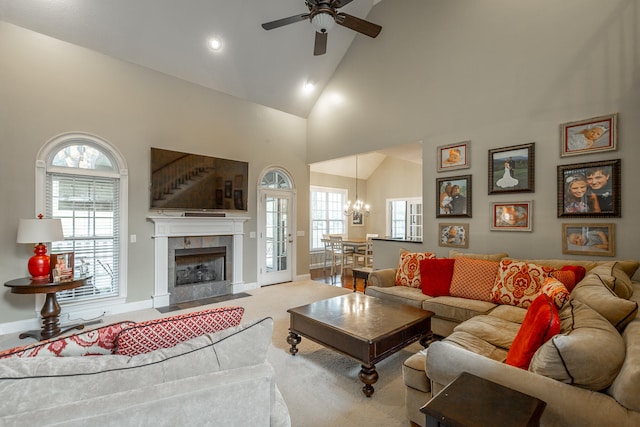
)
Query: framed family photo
[
  {"x": 589, "y": 136},
  {"x": 61, "y": 265},
  {"x": 588, "y": 239},
  {"x": 589, "y": 190},
  {"x": 454, "y": 156},
  {"x": 453, "y": 196},
  {"x": 511, "y": 169},
  {"x": 512, "y": 216},
  {"x": 453, "y": 235}
]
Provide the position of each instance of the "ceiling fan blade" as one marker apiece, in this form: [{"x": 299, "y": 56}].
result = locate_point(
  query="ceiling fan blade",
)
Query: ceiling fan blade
[
  {"x": 320, "y": 46},
  {"x": 337, "y": 4},
  {"x": 360, "y": 25},
  {"x": 285, "y": 21}
]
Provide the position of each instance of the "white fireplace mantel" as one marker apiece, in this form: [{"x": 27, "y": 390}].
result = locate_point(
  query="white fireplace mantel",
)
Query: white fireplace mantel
[{"x": 182, "y": 226}]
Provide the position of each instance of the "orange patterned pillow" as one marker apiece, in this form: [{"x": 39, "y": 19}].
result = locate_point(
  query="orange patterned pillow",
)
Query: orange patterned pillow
[
  {"x": 556, "y": 290},
  {"x": 408, "y": 272},
  {"x": 519, "y": 283},
  {"x": 473, "y": 278}
]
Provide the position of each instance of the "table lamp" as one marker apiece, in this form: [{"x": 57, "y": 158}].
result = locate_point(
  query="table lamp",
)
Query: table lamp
[{"x": 39, "y": 230}]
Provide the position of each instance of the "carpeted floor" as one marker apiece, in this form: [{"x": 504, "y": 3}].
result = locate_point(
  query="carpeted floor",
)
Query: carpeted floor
[{"x": 320, "y": 386}]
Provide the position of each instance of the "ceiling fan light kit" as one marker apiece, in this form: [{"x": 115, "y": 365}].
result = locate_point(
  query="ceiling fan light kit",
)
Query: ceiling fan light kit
[{"x": 323, "y": 15}]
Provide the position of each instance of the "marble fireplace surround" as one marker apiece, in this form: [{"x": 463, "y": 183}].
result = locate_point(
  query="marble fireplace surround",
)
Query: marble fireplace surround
[{"x": 166, "y": 227}]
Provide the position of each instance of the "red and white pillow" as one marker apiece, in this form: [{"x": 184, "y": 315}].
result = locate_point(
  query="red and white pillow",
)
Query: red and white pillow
[
  {"x": 98, "y": 341},
  {"x": 151, "y": 335},
  {"x": 408, "y": 272},
  {"x": 519, "y": 283},
  {"x": 473, "y": 278}
]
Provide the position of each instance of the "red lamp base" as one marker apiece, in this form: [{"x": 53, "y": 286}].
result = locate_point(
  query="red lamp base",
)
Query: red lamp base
[{"x": 39, "y": 263}]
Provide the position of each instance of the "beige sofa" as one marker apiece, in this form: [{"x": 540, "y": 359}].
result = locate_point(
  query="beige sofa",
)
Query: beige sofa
[
  {"x": 597, "y": 383},
  {"x": 221, "y": 378}
]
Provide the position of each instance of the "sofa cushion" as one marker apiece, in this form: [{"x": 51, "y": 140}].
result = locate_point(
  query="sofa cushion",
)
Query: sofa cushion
[
  {"x": 629, "y": 267},
  {"x": 588, "y": 352},
  {"x": 28, "y": 380},
  {"x": 436, "y": 276},
  {"x": 408, "y": 272},
  {"x": 495, "y": 331},
  {"x": 594, "y": 291},
  {"x": 166, "y": 332},
  {"x": 620, "y": 284},
  {"x": 539, "y": 325},
  {"x": 413, "y": 372},
  {"x": 518, "y": 282},
  {"x": 476, "y": 345},
  {"x": 626, "y": 387},
  {"x": 487, "y": 257},
  {"x": 473, "y": 278},
  {"x": 510, "y": 313},
  {"x": 555, "y": 290},
  {"x": 457, "y": 309},
  {"x": 93, "y": 342}
]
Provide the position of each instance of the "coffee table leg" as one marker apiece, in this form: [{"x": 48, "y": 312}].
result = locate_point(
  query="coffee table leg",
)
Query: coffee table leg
[
  {"x": 293, "y": 340},
  {"x": 368, "y": 375}
]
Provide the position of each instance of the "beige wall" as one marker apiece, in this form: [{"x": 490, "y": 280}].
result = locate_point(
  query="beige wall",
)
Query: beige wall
[
  {"x": 49, "y": 87},
  {"x": 499, "y": 74}
]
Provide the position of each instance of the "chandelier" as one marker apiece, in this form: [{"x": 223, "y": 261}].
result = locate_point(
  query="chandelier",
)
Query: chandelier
[{"x": 358, "y": 207}]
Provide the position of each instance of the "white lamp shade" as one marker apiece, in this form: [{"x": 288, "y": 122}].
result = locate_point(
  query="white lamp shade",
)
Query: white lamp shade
[
  {"x": 323, "y": 22},
  {"x": 39, "y": 231}
]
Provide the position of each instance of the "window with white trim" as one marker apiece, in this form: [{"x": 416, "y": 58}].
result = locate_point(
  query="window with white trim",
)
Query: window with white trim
[
  {"x": 82, "y": 182},
  {"x": 327, "y": 214},
  {"x": 404, "y": 218}
]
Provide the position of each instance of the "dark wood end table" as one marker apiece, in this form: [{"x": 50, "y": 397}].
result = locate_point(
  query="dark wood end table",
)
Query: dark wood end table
[
  {"x": 51, "y": 309},
  {"x": 363, "y": 327},
  {"x": 361, "y": 273},
  {"x": 471, "y": 401}
]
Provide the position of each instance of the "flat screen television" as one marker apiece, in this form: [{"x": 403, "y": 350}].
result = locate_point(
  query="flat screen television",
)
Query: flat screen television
[{"x": 193, "y": 182}]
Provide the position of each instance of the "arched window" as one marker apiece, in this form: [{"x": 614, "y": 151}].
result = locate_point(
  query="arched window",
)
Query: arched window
[
  {"x": 276, "y": 178},
  {"x": 82, "y": 180}
]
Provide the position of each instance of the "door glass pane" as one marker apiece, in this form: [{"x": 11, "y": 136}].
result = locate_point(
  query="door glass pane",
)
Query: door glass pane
[{"x": 277, "y": 233}]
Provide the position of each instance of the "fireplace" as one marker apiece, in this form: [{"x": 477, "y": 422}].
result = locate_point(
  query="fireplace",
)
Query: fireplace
[
  {"x": 197, "y": 266},
  {"x": 196, "y": 235}
]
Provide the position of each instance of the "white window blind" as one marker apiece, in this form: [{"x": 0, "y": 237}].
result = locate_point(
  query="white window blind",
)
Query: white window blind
[
  {"x": 88, "y": 207},
  {"x": 327, "y": 214}
]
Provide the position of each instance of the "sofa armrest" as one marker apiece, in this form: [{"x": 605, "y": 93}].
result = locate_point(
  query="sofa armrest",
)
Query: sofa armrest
[
  {"x": 566, "y": 404},
  {"x": 383, "y": 278}
]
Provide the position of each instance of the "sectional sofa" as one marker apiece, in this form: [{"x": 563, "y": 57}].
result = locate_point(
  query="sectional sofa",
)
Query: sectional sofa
[{"x": 588, "y": 372}]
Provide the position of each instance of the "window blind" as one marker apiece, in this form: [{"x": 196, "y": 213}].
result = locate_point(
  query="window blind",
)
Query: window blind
[{"x": 88, "y": 207}]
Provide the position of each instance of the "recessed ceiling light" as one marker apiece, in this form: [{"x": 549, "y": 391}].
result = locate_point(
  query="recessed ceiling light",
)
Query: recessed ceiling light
[
  {"x": 309, "y": 86},
  {"x": 214, "y": 43}
]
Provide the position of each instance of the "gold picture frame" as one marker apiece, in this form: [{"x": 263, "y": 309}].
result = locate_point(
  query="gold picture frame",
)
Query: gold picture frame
[{"x": 589, "y": 239}]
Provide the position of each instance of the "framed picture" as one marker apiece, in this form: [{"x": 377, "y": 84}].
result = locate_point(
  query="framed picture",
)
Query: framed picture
[
  {"x": 589, "y": 190},
  {"x": 589, "y": 136},
  {"x": 512, "y": 216},
  {"x": 453, "y": 196},
  {"x": 454, "y": 156},
  {"x": 512, "y": 169},
  {"x": 588, "y": 239},
  {"x": 61, "y": 265},
  {"x": 357, "y": 219},
  {"x": 454, "y": 235}
]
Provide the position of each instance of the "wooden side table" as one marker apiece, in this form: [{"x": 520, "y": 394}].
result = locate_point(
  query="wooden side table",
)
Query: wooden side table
[
  {"x": 51, "y": 309},
  {"x": 471, "y": 401},
  {"x": 362, "y": 273}
]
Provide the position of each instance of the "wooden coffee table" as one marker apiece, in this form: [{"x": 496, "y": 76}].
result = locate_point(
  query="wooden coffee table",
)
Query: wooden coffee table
[{"x": 360, "y": 326}]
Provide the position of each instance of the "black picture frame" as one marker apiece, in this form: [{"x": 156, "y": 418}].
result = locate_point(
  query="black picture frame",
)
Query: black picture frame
[
  {"x": 601, "y": 179},
  {"x": 512, "y": 169},
  {"x": 450, "y": 205}
]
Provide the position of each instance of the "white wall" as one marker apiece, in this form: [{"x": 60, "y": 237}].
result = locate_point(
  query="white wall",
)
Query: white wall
[
  {"x": 499, "y": 74},
  {"x": 48, "y": 87}
]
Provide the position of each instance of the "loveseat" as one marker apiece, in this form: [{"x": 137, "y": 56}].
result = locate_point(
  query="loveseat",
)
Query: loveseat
[
  {"x": 588, "y": 372},
  {"x": 217, "y": 378}
]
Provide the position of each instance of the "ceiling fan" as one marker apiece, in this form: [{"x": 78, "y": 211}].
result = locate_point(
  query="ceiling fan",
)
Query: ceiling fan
[{"x": 323, "y": 15}]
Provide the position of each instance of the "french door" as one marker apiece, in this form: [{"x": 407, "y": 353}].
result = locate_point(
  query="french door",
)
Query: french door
[{"x": 276, "y": 237}]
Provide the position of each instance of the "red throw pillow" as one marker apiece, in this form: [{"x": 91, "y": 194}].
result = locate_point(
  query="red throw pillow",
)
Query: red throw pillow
[
  {"x": 436, "y": 276},
  {"x": 578, "y": 270},
  {"x": 540, "y": 324}
]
